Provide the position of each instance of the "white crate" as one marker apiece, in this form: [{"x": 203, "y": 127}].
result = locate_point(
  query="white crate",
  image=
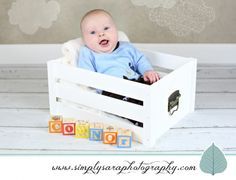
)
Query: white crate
[{"x": 65, "y": 95}]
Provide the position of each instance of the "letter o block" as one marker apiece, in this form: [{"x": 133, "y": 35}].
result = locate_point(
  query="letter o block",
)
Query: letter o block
[
  {"x": 109, "y": 137},
  {"x": 68, "y": 128}
]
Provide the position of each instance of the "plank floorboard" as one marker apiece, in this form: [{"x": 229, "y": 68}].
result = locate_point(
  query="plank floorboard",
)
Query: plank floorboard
[
  {"x": 24, "y": 100},
  {"x": 197, "y": 139},
  {"x": 23, "y": 71},
  {"x": 216, "y": 71},
  {"x": 24, "y": 118},
  {"x": 23, "y": 85},
  {"x": 215, "y": 101},
  {"x": 208, "y": 118},
  {"x": 216, "y": 86}
]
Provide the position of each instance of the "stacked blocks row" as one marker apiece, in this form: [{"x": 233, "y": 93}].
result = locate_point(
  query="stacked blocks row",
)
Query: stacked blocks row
[{"x": 91, "y": 131}]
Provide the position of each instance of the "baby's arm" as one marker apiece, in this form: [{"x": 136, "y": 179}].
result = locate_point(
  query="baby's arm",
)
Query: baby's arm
[
  {"x": 145, "y": 68},
  {"x": 85, "y": 60}
]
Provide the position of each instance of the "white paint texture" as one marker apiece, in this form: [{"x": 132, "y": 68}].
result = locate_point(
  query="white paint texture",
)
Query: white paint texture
[
  {"x": 30, "y": 15},
  {"x": 182, "y": 17}
]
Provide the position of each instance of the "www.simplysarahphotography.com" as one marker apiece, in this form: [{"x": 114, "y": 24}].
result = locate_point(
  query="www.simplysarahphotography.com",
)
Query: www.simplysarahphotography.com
[{"x": 127, "y": 167}]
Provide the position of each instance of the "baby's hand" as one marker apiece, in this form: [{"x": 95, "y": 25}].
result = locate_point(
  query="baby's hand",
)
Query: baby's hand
[{"x": 151, "y": 76}]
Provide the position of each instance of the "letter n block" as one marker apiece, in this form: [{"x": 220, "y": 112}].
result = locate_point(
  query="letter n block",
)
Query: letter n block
[
  {"x": 82, "y": 129},
  {"x": 96, "y": 132},
  {"x": 124, "y": 138},
  {"x": 55, "y": 124},
  {"x": 109, "y": 135},
  {"x": 68, "y": 126}
]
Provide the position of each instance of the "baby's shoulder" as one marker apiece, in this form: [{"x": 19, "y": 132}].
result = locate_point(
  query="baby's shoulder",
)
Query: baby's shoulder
[
  {"x": 126, "y": 45},
  {"x": 84, "y": 48},
  {"x": 85, "y": 52}
]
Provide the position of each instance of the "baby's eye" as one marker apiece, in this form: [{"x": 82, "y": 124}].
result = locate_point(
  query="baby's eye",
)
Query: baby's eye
[
  {"x": 92, "y": 32},
  {"x": 106, "y": 28}
]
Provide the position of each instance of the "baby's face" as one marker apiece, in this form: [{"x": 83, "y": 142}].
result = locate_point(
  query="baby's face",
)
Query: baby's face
[{"x": 99, "y": 33}]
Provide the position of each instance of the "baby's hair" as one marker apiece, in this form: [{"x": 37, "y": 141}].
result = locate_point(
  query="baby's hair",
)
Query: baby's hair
[{"x": 92, "y": 12}]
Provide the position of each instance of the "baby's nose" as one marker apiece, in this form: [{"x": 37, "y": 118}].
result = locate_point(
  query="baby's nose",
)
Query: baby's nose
[{"x": 101, "y": 34}]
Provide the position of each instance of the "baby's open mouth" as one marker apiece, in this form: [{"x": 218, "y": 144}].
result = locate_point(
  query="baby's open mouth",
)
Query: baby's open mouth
[{"x": 104, "y": 42}]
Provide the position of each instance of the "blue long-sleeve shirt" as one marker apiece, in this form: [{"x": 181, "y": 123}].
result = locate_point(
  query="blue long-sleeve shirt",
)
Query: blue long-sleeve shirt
[{"x": 125, "y": 60}]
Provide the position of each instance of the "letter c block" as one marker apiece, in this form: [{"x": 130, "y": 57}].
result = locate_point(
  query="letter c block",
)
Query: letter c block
[{"x": 55, "y": 126}]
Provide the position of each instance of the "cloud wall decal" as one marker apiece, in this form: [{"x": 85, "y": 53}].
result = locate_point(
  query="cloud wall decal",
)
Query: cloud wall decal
[
  {"x": 182, "y": 18},
  {"x": 30, "y": 15}
]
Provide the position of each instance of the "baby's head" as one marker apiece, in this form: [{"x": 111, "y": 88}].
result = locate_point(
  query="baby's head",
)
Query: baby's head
[{"x": 99, "y": 31}]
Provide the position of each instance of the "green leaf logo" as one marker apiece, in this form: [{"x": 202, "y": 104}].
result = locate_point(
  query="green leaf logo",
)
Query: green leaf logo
[{"x": 213, "y": 161}]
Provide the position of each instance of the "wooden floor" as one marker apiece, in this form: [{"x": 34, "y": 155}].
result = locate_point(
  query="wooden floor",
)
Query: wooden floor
[{"x": 24, "y": 116}]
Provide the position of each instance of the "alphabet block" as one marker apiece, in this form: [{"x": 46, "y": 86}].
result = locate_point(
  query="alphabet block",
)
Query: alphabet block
[
  {"x": 55, "y": 124},
  {"x": 124, "y": 138},
  {"x": 82, "y": 129},
  {"x": 96, "y": 132},
  {"x": 109, "y": 135},
  {"x": 68, "y": 126}
]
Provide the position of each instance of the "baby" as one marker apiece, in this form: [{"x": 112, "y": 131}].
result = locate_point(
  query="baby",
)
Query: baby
[{"x": 103, "y": 52}]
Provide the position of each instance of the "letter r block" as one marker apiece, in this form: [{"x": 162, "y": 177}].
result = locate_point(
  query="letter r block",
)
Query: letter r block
[
  {"x": 124, "y": 141},
  {"x": 124, "y": 138}
]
